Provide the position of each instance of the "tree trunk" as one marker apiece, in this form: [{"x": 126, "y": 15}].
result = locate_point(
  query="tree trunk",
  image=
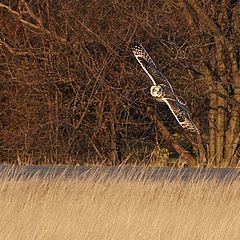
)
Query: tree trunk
[
  {"x": 191, "y": 160},
  {"x": 113, "y": 135},
  {"x": 222, "y": 70},
  {"x": 232, "y": 133},
  {"x": 220, "y": 125}
]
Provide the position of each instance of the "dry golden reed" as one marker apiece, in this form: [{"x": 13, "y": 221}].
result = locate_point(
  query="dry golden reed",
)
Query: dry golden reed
[{"x": 117, "y": 208}]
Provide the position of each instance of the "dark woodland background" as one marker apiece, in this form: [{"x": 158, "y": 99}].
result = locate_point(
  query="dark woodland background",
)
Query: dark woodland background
[{"x": 72, "y": 92}]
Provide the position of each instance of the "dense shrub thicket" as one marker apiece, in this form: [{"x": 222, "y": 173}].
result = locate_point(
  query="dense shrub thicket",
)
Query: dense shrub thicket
[{"x": 71, "y": 91}]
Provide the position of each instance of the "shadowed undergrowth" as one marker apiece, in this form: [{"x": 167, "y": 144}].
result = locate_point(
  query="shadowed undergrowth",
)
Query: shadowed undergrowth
[{"x": 63, "y": 208}]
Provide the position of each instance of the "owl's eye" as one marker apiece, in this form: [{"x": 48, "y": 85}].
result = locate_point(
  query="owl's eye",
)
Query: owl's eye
[{"x": 156, "y": 91}]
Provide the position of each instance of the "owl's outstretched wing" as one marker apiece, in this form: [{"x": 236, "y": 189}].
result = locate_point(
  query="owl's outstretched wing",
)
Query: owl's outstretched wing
[
  {"x": 176, "y": 105},
  {"x": 149, "y": 66},
  {"x": 182, "y": 115}
]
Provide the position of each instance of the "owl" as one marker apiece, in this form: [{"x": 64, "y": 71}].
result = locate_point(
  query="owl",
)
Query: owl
[{"x": 162, "y": 91}]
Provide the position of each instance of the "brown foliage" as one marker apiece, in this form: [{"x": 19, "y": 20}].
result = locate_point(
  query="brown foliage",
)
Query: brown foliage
[{"x": 70, "y": 87}]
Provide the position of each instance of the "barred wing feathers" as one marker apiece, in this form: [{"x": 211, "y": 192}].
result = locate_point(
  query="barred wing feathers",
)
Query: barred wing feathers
[
  {"x": 181, "y": 114},
  {"x": 149, "y": 66}
]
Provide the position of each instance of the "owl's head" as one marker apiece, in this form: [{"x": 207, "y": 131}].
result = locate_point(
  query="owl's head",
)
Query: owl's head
[{"x": 156, "y": 91}]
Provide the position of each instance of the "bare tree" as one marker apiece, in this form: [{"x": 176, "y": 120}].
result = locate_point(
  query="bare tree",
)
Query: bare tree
[
  {"x": 216, "y": 25},
  {"x": 71, "y": 90}
]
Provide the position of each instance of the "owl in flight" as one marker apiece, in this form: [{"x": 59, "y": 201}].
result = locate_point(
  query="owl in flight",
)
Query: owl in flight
[{"x": 162, "y": 90}]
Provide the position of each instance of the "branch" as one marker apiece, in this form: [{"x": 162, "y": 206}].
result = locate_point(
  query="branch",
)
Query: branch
[
  {"x": 231, "y": 149},
  {"x": 207, "y": 20},
  {"x": 31, "y": 25},
  {"x": 228, "y": 99},
  {"x": 167, "y": 136},
  {"x": 13, "y": 50},
  {"x": 31, "y": 13}
]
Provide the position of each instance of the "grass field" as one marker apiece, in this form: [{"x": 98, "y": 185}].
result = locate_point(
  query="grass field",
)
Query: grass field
[{"x": 63, "y": 208}]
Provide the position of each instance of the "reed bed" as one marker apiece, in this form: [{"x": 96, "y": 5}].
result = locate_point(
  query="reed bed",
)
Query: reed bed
[{"x": 118, "y": 208}]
